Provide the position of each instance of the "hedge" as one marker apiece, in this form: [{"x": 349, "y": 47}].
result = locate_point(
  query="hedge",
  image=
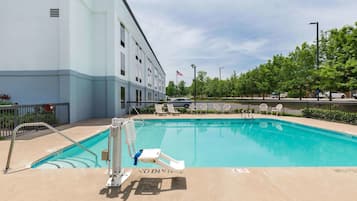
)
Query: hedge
[
  {"x": 331, "y": 115},
  {"x": 2, "y": 102}
]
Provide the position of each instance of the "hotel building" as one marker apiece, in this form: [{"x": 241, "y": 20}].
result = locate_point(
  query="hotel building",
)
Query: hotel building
[{"x": 91, "y": 54}]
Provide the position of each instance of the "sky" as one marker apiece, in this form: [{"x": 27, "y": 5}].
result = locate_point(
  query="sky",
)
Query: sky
[{"x": 237, "y": 35}]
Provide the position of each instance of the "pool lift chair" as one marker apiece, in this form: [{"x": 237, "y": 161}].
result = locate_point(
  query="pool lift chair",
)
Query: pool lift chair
[{"x": 117, "y": 174}]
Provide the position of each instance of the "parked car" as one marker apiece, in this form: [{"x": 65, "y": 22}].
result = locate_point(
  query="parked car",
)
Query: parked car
[
  {"x": 335, "y": 95},
  {"x": 282, "y": 95},
  {"x": 321, "y": 95},
  {"x": 354, "y": 95},
  {"x": 181, "y": 102}
]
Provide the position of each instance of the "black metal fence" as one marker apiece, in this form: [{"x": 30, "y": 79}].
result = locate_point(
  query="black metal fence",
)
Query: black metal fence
[{"x": 14, "y": 115}]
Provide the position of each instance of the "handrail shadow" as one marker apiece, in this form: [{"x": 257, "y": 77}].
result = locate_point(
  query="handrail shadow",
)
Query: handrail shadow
[
  {"x": 147, "y": 187},
  {"x": 14, "y": 171}
]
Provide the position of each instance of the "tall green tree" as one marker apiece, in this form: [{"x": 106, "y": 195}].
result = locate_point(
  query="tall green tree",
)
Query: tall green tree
[
  {"x": 295, "y": 73},
  {"x": 200, "y": 84},
  {"x": 171, "y": 89},
  {"x": 182, "y": 89},
  {"x": 340, "y": 59},
  {"x": 301, "y": 64}
]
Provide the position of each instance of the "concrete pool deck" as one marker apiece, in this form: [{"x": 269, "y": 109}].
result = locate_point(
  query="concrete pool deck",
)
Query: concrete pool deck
[{"x": 275, "y": 184}]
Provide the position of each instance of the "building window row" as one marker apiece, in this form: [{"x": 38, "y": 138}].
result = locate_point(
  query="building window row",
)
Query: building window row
[
  {"x": 122, "y": 35},
  {"x": 138, "y": 97},
  {"x": 122, "y": 97},
  {"x": 139, "y": 55},
  {"x": 149, "y": 96},
  {"x": 122, "y": 64}
]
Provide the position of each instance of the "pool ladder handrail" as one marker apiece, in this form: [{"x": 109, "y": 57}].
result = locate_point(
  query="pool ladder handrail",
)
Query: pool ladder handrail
[
  {"x": 137, "y": 113},
  {"x": 49, "y": 127}
]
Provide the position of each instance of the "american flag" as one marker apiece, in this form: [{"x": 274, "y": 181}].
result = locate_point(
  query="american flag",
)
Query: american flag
[{"x": 178, "y": 73}]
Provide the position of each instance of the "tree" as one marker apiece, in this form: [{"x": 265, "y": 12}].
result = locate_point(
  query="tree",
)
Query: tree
[
  {"x": 171, "y": 89},
  {"x": 182, "y": 89},
  {"x": 301, "y": 65},
  {"x": 200, "y": 84},
  {"x": 340, "y": 58},
  {"x": 294, "y": 73}
]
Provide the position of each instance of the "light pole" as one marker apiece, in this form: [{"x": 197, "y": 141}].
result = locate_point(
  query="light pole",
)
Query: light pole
[
  {"x": 317, "y": 54},
  {"x": 220, "y": 71},
  {"x": 195, "y": 87},
  {"x": 317, "y": 43}
]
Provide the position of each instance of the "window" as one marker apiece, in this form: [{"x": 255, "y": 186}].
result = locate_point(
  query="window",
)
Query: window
[
  {"x": 136, "y": 51},
  {"x": 122, "y": 35},
  {"x": 140, "y": 97},
  {"x": 149, "y": 96},
  {"x": 122, "y": 97},
  {"x": 54, "y": 12},
  {"x": 122, "y": 65}
]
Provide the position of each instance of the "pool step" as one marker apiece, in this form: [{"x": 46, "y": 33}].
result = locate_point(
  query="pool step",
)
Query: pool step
[{"x": 68, "y": 163}]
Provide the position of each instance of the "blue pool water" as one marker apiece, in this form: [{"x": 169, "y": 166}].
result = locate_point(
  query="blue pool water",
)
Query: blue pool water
[{"x": 224, "y": 143}]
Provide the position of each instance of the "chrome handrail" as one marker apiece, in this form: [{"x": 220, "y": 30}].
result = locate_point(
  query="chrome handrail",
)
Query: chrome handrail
[
  {"x": 137, "y": 113},
  {"x": 49, "y": 127}
]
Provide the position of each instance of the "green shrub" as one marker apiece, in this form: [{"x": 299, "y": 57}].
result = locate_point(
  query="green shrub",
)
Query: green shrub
[
  {"x": 2, "y": 102},
  {"x": 330, "y": 115},
  {"x": 8, "y": 120},
  {"x": 182, "y": 110},
  {"x": 47, "y": 117}
]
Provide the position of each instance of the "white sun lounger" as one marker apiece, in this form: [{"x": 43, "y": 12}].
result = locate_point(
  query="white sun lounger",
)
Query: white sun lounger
[
  {"x": 192, "y": 108},
  {"x": 149, "y": 155},
  {"x": 158, "y": 110},
  {"x": 172, "y": 110}
]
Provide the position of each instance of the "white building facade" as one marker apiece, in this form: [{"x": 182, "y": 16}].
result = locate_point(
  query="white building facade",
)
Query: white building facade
[{"x": 89, "y": 53}]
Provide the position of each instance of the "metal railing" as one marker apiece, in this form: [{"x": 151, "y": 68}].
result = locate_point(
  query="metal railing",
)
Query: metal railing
[
  {"x": 137, "y": 113},
  {"x": 13, "y": 139},
  {"x": 238, "y": 106},
  {"x": 14, "y": 115}
]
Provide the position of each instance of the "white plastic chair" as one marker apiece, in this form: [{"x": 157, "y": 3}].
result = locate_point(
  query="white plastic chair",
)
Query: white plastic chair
[
  {"x": 278, "y": 109},
  {"x": 263, "y": 108},
  {"x": 217, "y": 107},
  {"x": 202, "y": 107},
  {"x": 149, "y": 155},
  {"x": 227, "y": 107}
]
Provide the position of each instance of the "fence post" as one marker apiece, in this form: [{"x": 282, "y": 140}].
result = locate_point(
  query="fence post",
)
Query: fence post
[
  {"x": 68, "y": 113},
  {"x": 16, "y": 118}
]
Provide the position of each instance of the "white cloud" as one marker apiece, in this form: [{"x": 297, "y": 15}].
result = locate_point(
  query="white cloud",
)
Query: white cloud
[
  {"x": 237, "y": 34},
  {"x": 178, "y": 46}
]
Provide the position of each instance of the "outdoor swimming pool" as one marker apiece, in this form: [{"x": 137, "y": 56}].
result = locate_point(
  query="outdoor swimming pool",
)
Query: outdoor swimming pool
[{"x": 223, "y": 143}]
